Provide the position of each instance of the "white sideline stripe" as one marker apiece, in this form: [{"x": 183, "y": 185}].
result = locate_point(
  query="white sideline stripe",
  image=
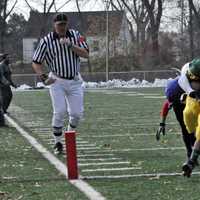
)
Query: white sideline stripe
[
  {"x": 156, "y": 176},
  {"x": 110, "y": 169},
  {"x": 103, "y": 163},
  {"x": 83, "y": 186}
]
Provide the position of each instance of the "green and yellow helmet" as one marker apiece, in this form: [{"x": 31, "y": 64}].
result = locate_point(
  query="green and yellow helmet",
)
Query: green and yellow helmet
[{"x": 193, "y": 72}]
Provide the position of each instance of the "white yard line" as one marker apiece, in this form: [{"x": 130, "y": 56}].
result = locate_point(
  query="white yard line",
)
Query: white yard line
[
  {"x": 145, "y": 149},
  {"x": 153, "y": 176},
  {"x": 95, "y": 155},
  {"x": 111, "y": 169},
  {"x": 103, "y": 163},
  {"x": 87, "y": 148},
  {"x": 83, "y": 186},
  {"x": 78, "y": 144},
  {"x": 126, "y": 135},
  {"x": 97, "y": 159}
]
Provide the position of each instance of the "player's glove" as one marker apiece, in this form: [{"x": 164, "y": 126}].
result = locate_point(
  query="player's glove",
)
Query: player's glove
[
  {"x": 46, "y": 80},
  {"x": 161, "y": 130},
  {"x": 195, "y": 95}
]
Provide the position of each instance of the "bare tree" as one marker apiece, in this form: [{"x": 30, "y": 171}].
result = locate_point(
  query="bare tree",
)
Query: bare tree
[
  {"x": 195, "y": 10},
  {"x": 4, "y": 14},
  {"x": 83, "y": 27},
  {"x": 155, "y": 14},
  {"x": 46, "y": 6},
  {"x": 191, "y": 32}
]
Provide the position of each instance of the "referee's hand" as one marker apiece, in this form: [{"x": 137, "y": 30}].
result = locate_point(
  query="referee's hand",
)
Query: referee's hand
[{"x": 49, "y": 81}]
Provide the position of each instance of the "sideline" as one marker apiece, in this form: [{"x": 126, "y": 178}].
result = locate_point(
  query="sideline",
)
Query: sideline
[{"x": 83, "y": 186}]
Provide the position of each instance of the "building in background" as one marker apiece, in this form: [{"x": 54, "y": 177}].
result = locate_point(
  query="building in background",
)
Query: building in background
[{"x": 90, "y": 24}]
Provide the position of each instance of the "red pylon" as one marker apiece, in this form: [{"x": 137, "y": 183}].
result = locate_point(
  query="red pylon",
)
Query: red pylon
[{"x": 71, "y": 156}]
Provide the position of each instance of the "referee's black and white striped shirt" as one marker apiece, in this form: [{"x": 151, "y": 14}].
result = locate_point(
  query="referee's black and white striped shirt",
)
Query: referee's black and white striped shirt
[{"x": 60, "y": 59}]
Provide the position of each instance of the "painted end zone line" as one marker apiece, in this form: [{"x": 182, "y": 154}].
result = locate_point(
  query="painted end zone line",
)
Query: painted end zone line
[{"x": 83, "y": 186}]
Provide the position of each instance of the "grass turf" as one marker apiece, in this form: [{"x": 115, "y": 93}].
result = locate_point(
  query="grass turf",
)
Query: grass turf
[{"x": 132, "y": 112}]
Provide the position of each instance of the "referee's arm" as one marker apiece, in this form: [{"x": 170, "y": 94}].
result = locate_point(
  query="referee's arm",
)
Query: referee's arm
[
  {"x": 80, "y": 51},
  {"x": 38, "y": 57},
  {"x": 81, "y": 47}
]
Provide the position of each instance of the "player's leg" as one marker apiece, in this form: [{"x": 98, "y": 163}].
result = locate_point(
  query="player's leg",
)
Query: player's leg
[
  {"x": 188, "y": 139},
  {"x": 59, "y": 105},
  {"x": 190, "y": 115},
  {"x": 2, "y": 119},
  {"x": 7, "y": 97},
  {"x": 193, "y": 107},
  {"x": 75, "y": 104},
  {"x": 191, "y": 163}
]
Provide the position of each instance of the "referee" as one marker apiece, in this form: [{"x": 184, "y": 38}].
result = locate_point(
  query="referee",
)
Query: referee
[{"x": 61, "y": 50}]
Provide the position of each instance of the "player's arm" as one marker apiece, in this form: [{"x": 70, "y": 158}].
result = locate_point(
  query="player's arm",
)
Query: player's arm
[
  {"x": 185, "y": 84},
  {"x": 163, "y": 115},
  {"x": 164, "y": 111},
  {"x": 183, "y": 80}
]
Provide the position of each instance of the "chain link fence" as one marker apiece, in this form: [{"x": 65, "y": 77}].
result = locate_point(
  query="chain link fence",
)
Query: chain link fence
[{"x": 32, "y": 79}]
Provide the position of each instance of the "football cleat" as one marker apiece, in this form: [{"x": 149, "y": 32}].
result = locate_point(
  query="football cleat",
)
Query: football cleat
[
  {"x": 187, "y": 168},
  {"x": 58, "y": 148}
]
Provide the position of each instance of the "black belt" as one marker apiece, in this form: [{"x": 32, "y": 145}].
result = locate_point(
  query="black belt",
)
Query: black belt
[{"x": 67, "y": 78}]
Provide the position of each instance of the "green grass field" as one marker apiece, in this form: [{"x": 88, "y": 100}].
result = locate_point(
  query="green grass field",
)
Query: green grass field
[{"x": 116, "y": 149}]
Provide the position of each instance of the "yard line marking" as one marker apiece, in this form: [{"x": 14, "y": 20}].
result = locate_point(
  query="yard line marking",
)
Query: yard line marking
[
  {"x": 78, "y": 142},
  {"x": 87, "y": 145},
  {"x": 145, "y": 149},
  {"x": 79, "y": 145},
  {"x": 83, "y": 186},
  {"x": 129, "y": 150},
  {"x": 103, "y": 163},
  {"x": 154, "y": 97},
  {"x": 85, "y": 148},
  {"x": 122, "y": 135},
  {"x": 98, "y": 159},
  {"x": 155, "y": 175},
  {"x": 110, "y": 169},
  {"x": 95, "y": 155}
]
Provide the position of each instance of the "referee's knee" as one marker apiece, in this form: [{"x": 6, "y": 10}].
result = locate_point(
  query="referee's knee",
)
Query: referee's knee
[{"x": 75, "y": 118}]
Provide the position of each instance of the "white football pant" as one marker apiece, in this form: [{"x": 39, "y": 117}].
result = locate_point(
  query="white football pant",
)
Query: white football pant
[{"x": 67, "y": 98}]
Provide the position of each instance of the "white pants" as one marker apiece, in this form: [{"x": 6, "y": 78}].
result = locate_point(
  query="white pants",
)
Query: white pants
[{"x": 67, "y": 98}]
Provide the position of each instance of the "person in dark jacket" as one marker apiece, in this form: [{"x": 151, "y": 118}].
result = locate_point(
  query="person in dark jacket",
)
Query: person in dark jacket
[{"x": 5, "y": 86}]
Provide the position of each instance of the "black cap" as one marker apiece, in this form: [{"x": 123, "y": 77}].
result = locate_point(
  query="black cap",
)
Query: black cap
[{"x": 60, "y": 18}]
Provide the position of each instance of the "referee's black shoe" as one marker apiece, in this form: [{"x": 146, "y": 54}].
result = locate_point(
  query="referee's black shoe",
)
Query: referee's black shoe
[{"x": 58, "y": 148}]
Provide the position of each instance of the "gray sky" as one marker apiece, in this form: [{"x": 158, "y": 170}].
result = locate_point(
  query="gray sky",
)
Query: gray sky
[
  {"x": 170, "y": 11},
  {"x": 22, "y": 7}
]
